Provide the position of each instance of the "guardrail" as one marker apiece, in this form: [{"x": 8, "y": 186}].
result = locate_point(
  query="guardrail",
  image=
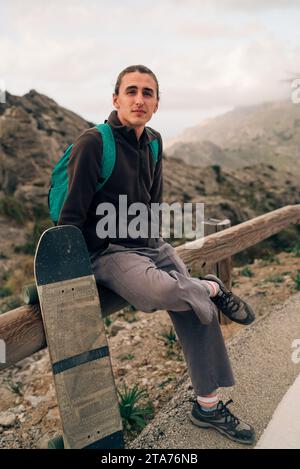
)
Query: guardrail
[{"x": 22, "y": 329}]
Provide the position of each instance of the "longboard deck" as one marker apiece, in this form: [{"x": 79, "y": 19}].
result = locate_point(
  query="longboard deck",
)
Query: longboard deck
[{"x": 77, "y": 343}]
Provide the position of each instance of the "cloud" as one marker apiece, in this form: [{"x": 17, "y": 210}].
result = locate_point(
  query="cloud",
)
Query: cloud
[
  {"x": 241, "y": 5},
  {"x": 214, "y": 29},
  {"x": 204, "y": 58},
  {"x": 247, "y": 74}
]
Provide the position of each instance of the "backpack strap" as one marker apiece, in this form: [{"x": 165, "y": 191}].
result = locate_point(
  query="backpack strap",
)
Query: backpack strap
[
  {"x": 109, "y": 153},
  {"x": 154, "y": 146}
]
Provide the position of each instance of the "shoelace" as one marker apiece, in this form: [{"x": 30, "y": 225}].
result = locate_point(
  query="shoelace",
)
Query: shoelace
[
  {"x": 225, "y": 412},
  {"x": 227, "y": 300}
]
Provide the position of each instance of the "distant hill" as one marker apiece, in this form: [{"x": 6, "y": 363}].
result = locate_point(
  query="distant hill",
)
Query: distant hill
[
  {"x": 34, "y": 130},
  {"x": 268, "y": 133}
]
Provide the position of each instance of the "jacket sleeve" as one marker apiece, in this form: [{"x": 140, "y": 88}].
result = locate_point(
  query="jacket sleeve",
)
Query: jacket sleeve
[{"x": 84, "y": 174}]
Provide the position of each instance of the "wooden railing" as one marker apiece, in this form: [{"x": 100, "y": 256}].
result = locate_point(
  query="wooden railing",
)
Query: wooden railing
[{"x": 22, "y": 328}]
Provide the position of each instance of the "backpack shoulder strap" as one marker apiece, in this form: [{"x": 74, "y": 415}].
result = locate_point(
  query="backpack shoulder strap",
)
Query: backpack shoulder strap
[
  {"x": 109, "y": 152},
  {"x": 154, "y": 146}
]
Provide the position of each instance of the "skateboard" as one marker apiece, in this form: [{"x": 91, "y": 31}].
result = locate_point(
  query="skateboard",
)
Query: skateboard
[{"x": 77, "y": 344}]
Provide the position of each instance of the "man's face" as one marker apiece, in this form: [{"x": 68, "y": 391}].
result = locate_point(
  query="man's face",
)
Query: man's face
[{"x": 137, "y": 100}]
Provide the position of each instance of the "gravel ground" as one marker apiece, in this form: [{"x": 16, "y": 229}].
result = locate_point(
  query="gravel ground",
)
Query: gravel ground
[{"x": 261, "y": 356}]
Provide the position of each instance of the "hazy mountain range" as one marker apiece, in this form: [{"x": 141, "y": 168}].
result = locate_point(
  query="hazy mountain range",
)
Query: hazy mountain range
[{"x": 268, "y": 133}]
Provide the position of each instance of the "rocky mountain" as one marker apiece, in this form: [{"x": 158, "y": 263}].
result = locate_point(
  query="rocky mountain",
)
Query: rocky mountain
[
  {"x": 268, "y": 133},
  {"x": 34, "y": 131}
]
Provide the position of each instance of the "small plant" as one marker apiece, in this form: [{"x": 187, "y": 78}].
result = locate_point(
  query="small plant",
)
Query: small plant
[
  {"x": 234, "y": 282},
  {"x": 297, "y": 280},
  {"x": 246, "y": 272},
  {"x": 296, "y": 250},
  {"x": 169, "y": 337},
  {"x": 134, "y": 416},
  {"x": 270, "y": 258},
  {"x": 277, "y": 278},
  {"x": 166, "y": 381},
  {"x": 12, "y": 209},
  {"x": 170, "y": 340},
  {"x": 107, "y": 322},
  {"x": 15, "y": 387},
  {"x": 5, "y": 291},
  {"x": 127, "y": 356}
]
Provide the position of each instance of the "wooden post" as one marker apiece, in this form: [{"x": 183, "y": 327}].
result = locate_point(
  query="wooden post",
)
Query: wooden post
[
  {"x": 224, "y": 270},
  {"x": 221, "y": 269}
]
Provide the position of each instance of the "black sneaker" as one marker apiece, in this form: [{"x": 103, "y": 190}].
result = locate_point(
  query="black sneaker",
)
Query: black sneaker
[
  {"x": 231, "y": 305},
  {"x": 224, "y": 421}
]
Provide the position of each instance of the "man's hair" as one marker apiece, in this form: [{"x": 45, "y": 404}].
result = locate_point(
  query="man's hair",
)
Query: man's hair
[{"x": 136, "y": 68}]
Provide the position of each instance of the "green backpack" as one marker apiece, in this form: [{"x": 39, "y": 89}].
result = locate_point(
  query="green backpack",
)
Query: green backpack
[{"x": 59, "y": 179}]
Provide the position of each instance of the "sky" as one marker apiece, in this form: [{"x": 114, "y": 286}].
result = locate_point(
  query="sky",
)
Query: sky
[{"x": 209, "y": 56}]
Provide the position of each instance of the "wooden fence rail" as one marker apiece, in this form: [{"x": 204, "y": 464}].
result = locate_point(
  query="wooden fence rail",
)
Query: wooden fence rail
[{"x": 22, "y": 328}]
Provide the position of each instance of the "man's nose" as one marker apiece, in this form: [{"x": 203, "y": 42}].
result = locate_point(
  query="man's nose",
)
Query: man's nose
[{"x": 139, "y": 99}]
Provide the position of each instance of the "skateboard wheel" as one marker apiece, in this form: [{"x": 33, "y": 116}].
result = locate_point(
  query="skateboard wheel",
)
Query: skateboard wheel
[
  {"x": 56, "y": 443},
  {"x": 30, "y": 294}
]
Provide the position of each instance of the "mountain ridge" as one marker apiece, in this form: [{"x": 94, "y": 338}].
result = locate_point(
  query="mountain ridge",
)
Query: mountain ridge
[{"x": 248, "y": 135}]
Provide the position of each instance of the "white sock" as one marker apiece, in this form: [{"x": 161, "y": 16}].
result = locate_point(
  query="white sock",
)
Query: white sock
[
  {"x": 208, "y": 403},
  {"x": 212, "y": 287}
]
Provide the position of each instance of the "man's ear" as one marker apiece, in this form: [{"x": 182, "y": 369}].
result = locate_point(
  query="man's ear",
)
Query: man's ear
[{"x": 115, "y": 101}]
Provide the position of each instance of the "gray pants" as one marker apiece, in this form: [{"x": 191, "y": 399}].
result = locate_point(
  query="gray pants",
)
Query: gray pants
[{"x": 155, "y": 278}]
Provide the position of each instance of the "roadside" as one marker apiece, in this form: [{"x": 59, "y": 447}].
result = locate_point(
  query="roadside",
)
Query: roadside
[
  {"x": 261, "y": 356},
  {"x": 140, "y": 355}
]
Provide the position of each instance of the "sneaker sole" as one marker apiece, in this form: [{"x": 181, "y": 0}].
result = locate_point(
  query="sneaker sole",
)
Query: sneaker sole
[{"x": 208, "y": 425}]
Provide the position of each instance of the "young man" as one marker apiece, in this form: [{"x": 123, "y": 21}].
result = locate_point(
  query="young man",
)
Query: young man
[{"x": 146, "y": 271}]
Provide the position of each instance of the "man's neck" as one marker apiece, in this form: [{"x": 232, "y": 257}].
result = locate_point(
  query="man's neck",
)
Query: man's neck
[{"x": 138, "y": 130}]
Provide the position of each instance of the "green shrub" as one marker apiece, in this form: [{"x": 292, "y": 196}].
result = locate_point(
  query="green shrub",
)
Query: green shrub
[
  {"x": 166, "y": 381},
  {"x": 276, "y": 278},
  {"x": 270, "y": 258},
  {"x": 169, "y": 337},
  {"x": 127, "y": 356},
  {"x": 246, "y": 272},
  {"x": 15, "y": 386},
  {"x": 134, "y": 416},
  {"x": 107, "y": 322},
  {"x": 296, "y": 250},
  {"x": 5, "y": 291},
  {"x": 12, "y": 209},
  {"x": 297, "y": 280}
]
